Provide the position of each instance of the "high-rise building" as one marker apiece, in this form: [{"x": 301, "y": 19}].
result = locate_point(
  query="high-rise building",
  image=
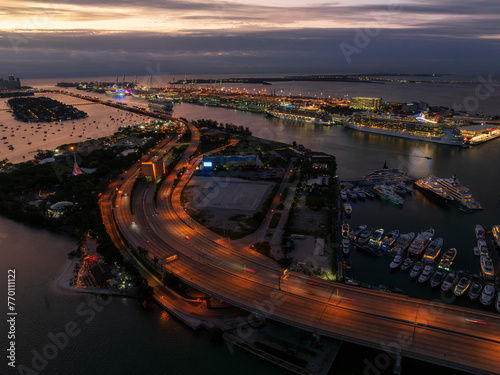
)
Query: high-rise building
[
  {"x": 11, "y": 83},
  {"x": 365, "y": 103}
]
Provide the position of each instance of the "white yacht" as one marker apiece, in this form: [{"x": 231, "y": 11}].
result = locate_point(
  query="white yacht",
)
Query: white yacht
[
  {"x": 396, "y": 261},
  {"x": 420, "y": 243},
  {"x": 417, "y": 268},
  {"x": 460, "y": 193},
  {"x": 426, "y": 273},
  {"x": 488, "y": 294},
  {"x": 449, "y": 281}
]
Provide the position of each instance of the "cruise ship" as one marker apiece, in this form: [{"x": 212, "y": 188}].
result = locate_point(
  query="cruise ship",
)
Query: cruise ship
[
  {"x": 431, "y": 187},
  {"x": 157, "y": 105},
  {"x": 420, "y": 243},
  {"x": 461, "y": 195},
  {"x": 299, "y": 115},
  {"x": 406, "y": 128}
]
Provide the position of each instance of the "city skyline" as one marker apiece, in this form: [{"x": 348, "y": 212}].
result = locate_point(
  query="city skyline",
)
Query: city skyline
[{"x": 81, "y": 38}]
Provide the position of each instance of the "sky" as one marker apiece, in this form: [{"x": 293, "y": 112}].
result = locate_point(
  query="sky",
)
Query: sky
[{"x": 78, "y": 38}]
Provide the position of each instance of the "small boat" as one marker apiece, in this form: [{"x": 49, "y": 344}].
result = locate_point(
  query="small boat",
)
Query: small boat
[
  {"x": 389, "y": 239},
  {"x": 351, "y": 193},
  {"x": 364, "y": 235},
  {"x": 360, "y": 193},
  {"x": 433, "y": 250},
  {"x": 347, "y": 208},
  {"x": 487, "y": 295},
  {"x": 487, "y": 268},
  {"x": 476, "y": 250},
  {"x": 462, "y": 286},
  {"x": 396, "y": 261},
  {"x": 449, "y": 281},
  {"x": 345, "y": 246},
  {"x": 376, "y": 237},
  {"x": 483, "y": 247},
  {"x": 345, "y": 230},
  {"x": 437, "y": 278},
  {"x": 343, "y": 194},
  {"x": 420, "y": 243},
  {"x": 356, "y": 232},
  {"x": 475, "y": 290},
  {"x": 480, "y": 233},
  {"x": 417, "y": 268},
  {"x": 368, "y": 193},
  {"x": 448, "y": 258},
  {"x": 426, "y": 273},
  {"x": 399, "y": 190},
  {"x": 348, "y": 265},
  {"x": 407, "y": 263},
  {"x": 497, "y": 302}
]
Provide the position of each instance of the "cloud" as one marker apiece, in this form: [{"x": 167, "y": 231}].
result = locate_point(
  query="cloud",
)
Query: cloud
[{"x": 124, "y": 37}]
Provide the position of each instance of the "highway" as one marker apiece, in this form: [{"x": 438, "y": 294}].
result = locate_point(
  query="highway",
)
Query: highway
[{"x": 441, "y": 333}]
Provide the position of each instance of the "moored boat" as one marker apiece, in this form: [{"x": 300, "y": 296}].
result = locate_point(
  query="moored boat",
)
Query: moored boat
[
  {"x": 497, "y": 302},
  {"x": 343, "y": 194},
  {"x": 461, "y": 195},
  {"x": 417, "y": 268},
  {"x": 407, "y": 263},
  {"x": 433, "y": 250},
  {"x": 462, "y": 285},
  {"x": 356, "y": 232},
  {"x": 437, "y": 278},
  {"x": 345, "y": 230},
  {"x": 389, "y": 239},
  {"x": 420, "y": 243},
  {"x": 430, "y": 187},
  {"x": 396, "y": 261},
  {"x": 376, "y": 237},
  {"x": 480, "y": 233},
  {"x": 363, "y": 236},
  {"x": 448, "y": 258},
  {"x": 360, "y": 194},
  {"x": 427, "y": 272},
  {"x": 488, "y": 294},
  {"x": 475, "y": 290},
  {"x": 403, "y": 242},
  {"x": 487, "y": 268},
  {"x": 351, "y": 193},
  {"x": 348, "y": 265},
  {"x": 449, "y": 281},
  {"x": 368, "y": 193},
  {"x": 482, "y": 246},
  {"x": 345, "y": 246}
]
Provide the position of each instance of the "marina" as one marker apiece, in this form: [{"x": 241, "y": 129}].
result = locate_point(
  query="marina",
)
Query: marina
[{"x": 407, "y": 253}]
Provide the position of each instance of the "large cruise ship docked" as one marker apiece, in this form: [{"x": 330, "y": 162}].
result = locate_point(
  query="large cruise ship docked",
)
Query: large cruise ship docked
[
  {"x": 461, "y": 195},
  {"x": 303, "y": 115},
  {"x": 409, "y": 128},
  {"x": 158, "y": 105},
  {"x": 431, "y": 187}
]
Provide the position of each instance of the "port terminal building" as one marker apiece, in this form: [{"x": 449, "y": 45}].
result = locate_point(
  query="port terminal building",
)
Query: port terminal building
[{"x": 229, "y": 161}]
